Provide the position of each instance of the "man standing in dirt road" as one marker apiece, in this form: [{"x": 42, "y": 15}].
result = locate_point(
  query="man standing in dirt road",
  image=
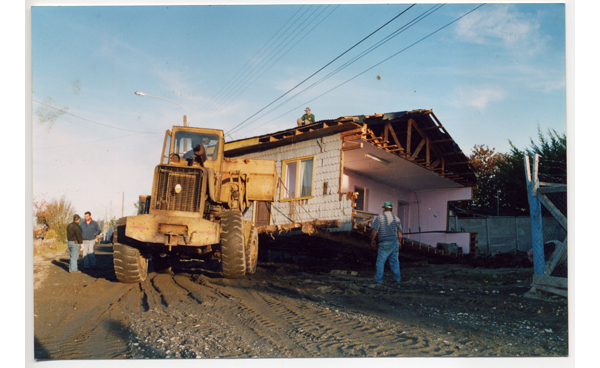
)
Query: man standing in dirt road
[
  {"x": 90, "y": 231},
  {"x": 389, "y": 229},
  {"x": 74, "y": 241}
]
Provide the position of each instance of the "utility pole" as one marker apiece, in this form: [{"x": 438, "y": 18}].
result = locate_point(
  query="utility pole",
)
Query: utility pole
[{"x": 122, "y": 204}]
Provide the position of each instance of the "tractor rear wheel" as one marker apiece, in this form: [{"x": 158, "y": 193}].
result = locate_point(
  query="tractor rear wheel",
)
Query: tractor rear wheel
[{"x": 233, "y": 257}]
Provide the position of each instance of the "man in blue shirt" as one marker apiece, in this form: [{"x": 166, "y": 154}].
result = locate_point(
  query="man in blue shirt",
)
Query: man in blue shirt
[
  {"x": 90, "y": 231},
  {"x": 389, "y": 228}
]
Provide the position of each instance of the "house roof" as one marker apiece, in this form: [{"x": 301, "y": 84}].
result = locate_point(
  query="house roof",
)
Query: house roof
[{"x": 415, "y": 136}]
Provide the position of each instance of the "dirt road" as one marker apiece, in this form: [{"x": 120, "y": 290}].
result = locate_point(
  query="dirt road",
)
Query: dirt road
[{"x": 439, "y": 310}]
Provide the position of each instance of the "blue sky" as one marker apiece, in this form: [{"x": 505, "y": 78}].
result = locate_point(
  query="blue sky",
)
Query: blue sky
[{"x": 495, "y": 75}]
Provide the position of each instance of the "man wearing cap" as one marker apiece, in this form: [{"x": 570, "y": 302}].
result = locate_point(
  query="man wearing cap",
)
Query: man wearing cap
[
  {"x": 74, "y": 241},
  {"x": 389, "y": 229},
  {"x": 307, "y": 118}
]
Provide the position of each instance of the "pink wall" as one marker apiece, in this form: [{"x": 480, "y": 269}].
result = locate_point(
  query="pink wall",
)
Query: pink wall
[
  {"x": 431, "y": 209},
  {"x": 376, "y": 193},
  {"x": 426, "y": 210}
]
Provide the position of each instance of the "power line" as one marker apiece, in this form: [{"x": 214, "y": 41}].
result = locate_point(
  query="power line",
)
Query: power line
[
  {"x": 256, "y": 56},
  {"x": 342, "y": 54},
  {"x": 274, "y": 53},
  {"x": 88, "y": 120},
  {"x": 288, "y": 50},
  {"x": 386, "y": 59},
  {"x": 277, "y": 45},
  {"x": 95, "y": 141},
  {"x": 356, "y": 58}
]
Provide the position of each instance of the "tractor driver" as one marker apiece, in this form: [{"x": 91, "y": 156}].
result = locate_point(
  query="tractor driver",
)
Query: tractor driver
[{"x": 198, "y": 151}]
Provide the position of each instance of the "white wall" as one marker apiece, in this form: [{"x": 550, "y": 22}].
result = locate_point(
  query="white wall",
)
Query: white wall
[{"x": 327, "y": 152}]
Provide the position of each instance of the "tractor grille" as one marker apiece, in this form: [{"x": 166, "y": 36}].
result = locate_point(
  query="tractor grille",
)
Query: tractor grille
[{"x": 165, "y": 196}]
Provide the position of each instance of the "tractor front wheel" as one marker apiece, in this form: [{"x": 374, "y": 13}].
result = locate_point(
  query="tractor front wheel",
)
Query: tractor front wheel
[
  {"x": 233, "y": 257},
  {"x": 131, "y": 266}
]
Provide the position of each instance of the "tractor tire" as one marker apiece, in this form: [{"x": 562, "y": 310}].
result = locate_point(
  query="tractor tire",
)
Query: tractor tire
[
  {"x": 131, "y": 266},
  {"x": 252, "y": 251},
  {"x": 233, "y": 257}
]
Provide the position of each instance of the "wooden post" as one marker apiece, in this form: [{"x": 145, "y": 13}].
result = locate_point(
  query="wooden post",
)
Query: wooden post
[
  {"x": 408, "y": 136},
  {"x": 535, "y": 213}
]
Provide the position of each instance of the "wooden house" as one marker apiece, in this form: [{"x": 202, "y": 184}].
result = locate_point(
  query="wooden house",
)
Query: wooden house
[{"x": 338, "y": 173}]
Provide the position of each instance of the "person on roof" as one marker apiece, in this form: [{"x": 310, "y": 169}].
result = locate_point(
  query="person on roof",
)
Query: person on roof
[{"x": 307, "y": 118}]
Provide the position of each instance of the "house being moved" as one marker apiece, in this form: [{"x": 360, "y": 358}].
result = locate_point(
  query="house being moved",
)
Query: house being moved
[{"x": 338, "y": 173}]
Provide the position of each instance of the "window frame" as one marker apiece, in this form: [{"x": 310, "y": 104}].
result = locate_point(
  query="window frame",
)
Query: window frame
[
  {"x": 166, "y": 148},
  {"x": 283, "y": 191}
]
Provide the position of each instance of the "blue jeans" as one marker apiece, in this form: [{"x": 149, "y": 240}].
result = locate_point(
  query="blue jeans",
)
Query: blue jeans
[
  {"x": 74, "y": 254},
  {"x": 388, "y": 250},
  {"x": 89, "y": 258}
]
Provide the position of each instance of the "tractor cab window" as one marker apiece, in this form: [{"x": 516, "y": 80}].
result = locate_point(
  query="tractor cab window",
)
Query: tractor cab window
[{"x": 184, "y": 143}]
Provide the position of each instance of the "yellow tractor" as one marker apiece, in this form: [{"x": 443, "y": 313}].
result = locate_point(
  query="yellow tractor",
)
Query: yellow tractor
[{"x": 196, "y": 208}]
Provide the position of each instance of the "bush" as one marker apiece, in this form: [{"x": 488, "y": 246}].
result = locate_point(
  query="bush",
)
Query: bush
[{"x": 51, "y": 234}]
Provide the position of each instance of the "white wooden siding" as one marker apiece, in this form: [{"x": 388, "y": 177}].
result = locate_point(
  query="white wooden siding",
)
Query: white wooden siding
[{"x": 327, "y": 153}]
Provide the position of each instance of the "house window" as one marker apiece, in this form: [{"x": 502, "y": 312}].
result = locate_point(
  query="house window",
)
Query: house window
[{"x": 298, "y": 178}]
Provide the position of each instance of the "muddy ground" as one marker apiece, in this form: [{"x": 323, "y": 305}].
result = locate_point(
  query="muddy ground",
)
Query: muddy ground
[{"x": 292, "y": 308}]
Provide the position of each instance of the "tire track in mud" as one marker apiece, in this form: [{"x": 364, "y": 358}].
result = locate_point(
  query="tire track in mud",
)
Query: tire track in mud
[
  {"x": 87, "y": 328},
  {"x": 309, "y": 329},
  {"x": 270, "y": 315},
  {"x": 331, "y": 332},
  {"x": 256, "y": 332}
]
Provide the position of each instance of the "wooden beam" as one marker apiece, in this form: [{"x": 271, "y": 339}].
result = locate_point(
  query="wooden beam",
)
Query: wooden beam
[
  {"x": 419, "y": 147},
  {"x": 552, "y": 290},
  {"x": 385, "y": 132},
  {"x": 306, "y": 227},
  {"x": 562, "y": 220},
  {"x": 393, "y": 134},
  {"x": 557, "y": 189},
  {"x": 408, "y": 135},
  {"x": 351, "y": 146},
  {"x": 556, "y": 257},
  {"x": 427, "y": 151},
  {"x": 546, "y": 184},
  {"x": 559, "y": 282},
  {"x": 443, "y": 140},
  {"x": 435, "y": 164},
  {"x": 352, "y": 137},
  {"x": 351, "y": 132},
  {"x": 458, "y": 163}
]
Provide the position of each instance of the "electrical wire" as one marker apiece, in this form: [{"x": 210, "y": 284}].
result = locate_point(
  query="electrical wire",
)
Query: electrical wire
[
  {"x": 257, "y": 56},
  {"x": 270, "y": 56},
  {"x": 88, "y": 120},
  {"x": 289, "y": 49},
  {"x": 356, "y": 58},
  {"x": 384, "y": 60},
  {"x": 94, "y": 141},
  {"x": 326, "y": 65}
]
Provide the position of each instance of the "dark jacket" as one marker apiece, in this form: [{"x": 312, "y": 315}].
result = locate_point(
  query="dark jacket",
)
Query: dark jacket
[
  {"x": 74, "y": 233},
  {"x": 89, "y": 231}
]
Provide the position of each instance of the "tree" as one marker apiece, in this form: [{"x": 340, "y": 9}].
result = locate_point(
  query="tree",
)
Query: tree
[
  {"x": 54, "y": 215},
  {"x": 552, "y": 151},
  {"x": 501, "y": 176},
  {"x": 39, "y": 214},
  {"x": 485, "y": 163}
]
